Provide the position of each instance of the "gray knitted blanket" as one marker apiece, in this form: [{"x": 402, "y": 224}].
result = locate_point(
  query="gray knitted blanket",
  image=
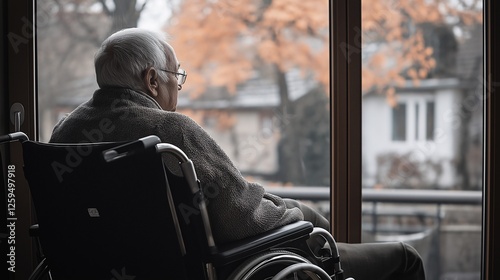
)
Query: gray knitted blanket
[{"x": 240, "y": 208}]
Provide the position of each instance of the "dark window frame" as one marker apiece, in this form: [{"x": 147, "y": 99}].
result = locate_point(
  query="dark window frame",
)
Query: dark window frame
[
  {"x": 345, "y": 16},
  {"x": 491, "y": 218},
  {"x": 345, "y": 71}
]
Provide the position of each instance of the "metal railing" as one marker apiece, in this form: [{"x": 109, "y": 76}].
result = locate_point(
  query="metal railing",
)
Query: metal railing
[
  {"x": 397, "y": 196},
  {"x": 385, "y": 195},
  {"x": 393, "y": 198}
]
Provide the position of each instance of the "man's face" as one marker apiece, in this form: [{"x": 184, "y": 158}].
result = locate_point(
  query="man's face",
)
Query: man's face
[{"x": 167, "y": 92}]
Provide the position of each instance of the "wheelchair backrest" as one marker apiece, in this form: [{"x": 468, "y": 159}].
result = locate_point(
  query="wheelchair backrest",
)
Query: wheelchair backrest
[{"x": 110, "y": 219}]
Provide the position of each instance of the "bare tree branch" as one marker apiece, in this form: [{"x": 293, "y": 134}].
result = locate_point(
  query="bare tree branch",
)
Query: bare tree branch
[
  {"x": 105, "y": 7},
  {"x": 143, "y": 6}
]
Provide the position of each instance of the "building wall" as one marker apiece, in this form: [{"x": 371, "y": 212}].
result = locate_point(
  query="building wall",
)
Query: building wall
[
  {"x": 252, "y": 143},
  {"x": 433, "y": 157}
]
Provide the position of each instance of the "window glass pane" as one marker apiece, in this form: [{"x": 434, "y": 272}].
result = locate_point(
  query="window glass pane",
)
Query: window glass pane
[
  {"x": 258, "y": 75},
  {"x": 399, "y": 122},
  {"x": 416, "y": 121},
  {"x": 430, "y": 121},
  {"x": 422, "y": 130}
]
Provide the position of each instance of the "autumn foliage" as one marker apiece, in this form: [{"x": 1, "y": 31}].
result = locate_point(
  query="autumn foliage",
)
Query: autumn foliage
[
  {"x": 221, "y": 41},
  {"x": 393, "y": 29}
]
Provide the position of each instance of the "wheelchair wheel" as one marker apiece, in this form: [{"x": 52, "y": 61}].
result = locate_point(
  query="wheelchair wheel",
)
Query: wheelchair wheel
[{"x": 266, "y": 265}]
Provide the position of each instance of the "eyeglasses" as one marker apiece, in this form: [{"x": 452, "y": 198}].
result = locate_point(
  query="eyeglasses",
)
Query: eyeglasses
[{"x": 180, "y": 75}]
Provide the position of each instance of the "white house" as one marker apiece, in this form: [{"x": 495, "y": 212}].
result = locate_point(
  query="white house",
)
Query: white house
[{"x": 419, "y": 134}]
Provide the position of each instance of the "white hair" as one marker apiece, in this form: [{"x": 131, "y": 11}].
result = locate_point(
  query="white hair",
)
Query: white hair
[{"x": 123, "y": 56}]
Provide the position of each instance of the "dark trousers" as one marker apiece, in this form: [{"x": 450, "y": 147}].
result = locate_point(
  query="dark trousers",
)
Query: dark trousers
[
  {"x": 381, "y": 261},
  {"x": 370, "y": 261}
]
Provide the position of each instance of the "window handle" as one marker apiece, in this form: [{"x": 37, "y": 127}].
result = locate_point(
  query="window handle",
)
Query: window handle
[{"x": 17, "y": 116}]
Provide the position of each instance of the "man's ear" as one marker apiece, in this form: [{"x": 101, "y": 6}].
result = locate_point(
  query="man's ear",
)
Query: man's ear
[{"x": 150, "y": 81}]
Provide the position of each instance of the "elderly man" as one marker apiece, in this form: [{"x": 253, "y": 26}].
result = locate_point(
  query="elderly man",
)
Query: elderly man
[{"x": 139, "y": 78}]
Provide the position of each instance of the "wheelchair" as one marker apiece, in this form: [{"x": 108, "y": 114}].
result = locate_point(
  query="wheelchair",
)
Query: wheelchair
[{"x": 114, "y": 211}]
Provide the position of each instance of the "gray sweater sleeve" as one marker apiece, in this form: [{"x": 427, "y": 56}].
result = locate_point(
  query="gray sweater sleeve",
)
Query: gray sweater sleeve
[{"x": 237, "y": 208}]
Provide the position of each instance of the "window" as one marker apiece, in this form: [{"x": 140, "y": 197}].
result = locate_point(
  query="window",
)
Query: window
[
  {"x": 399, "y": 122},
  {"x": 416, "y": 121},
  {"x": 422, "y": 62},
  {"x": 423, "y": 120},
  {"x": 429, "y": 132},
  {"x": 259, "y": 85}
]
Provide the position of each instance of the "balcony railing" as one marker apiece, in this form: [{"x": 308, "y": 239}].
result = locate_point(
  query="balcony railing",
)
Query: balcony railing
[
  {"x": 379, "y": 204},
  {"x": 385, "y": 195},
  {"x": 395, "y": 196}
]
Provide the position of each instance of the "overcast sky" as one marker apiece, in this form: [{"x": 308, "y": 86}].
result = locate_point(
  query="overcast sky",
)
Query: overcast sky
[{"x": 155, "y": 14}]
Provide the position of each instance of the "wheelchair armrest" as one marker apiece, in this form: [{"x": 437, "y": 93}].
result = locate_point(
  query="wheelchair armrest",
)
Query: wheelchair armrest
[
  {"x": 237, "y": 250},
  {"x": 130, "y": 148}
]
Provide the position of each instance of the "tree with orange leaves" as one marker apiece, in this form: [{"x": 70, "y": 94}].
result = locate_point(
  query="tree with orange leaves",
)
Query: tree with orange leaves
[
  {"x": 398, "y": 29},
  {"x": 223, "y": 40}
]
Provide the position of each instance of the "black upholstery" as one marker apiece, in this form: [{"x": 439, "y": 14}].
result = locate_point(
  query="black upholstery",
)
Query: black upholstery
[{"x": 98, "y": 218}]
